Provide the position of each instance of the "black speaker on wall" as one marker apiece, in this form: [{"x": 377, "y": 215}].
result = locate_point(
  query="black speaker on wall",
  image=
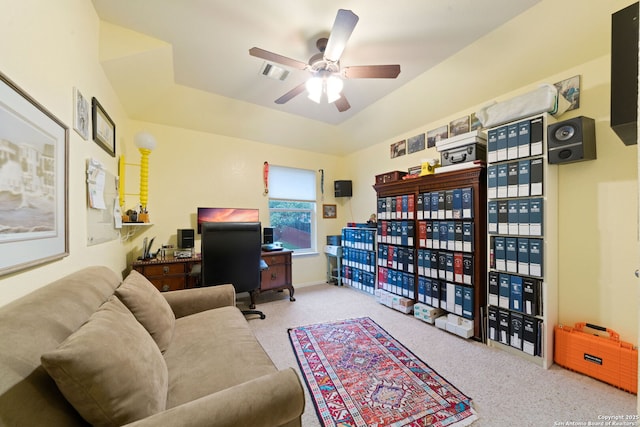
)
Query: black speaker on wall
[
  {"x": 342, "y": 188},
  {"x": 185, "y": 238},
  {"x": 624, "y": 74},
  {"x": 572, "y": 140}
]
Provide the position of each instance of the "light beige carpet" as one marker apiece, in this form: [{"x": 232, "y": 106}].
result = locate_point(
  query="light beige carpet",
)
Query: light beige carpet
[{"x": 506, "y": 390}]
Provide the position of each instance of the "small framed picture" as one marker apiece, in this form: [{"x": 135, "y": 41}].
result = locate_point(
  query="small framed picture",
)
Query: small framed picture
[
  {"x": 104, "y": 130},
  {"x": 398, "y": 149},
  {"x": 475, "y": 122},
  {"x": 459, "y": 126},
  {"x": 328, "y": 211},
  {"x": 436, "y": 135},
  {"x": 570, "y": 90},
  {"x": 80, "y": 114},
  {"x": 416, "y": 143}
]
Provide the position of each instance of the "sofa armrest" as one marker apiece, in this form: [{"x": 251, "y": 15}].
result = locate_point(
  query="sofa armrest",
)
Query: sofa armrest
[
  {"x": 189, "y": 301},
  {"x": 271, "y": 400}
]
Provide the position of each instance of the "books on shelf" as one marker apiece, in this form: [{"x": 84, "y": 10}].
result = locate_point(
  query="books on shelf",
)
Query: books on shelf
[{"x": 522, "y": 240}]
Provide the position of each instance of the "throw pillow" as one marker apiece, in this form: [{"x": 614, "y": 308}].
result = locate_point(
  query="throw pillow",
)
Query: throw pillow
[
  {"x": 110, "y": 369},
  {"x": 148, "y": 306}
]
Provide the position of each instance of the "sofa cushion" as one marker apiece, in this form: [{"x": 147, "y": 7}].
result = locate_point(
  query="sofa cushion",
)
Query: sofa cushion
[
  {"x": 110, "y": 369},
  {"x": 148, "y": 306},
  {"x": 205, "y": 360}
]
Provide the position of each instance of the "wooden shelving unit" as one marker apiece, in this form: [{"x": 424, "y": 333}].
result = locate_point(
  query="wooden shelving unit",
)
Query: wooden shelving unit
[{"x": 472, "y": 179}]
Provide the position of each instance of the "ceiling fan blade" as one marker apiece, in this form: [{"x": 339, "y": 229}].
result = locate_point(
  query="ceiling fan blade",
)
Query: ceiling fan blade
[
  {"x": 371, "y": 72},
  {"x": 291, "y": 94},
  {"x": 274, "y": 57},
  {"x": 343, "y": 26},
  {"x": 342, "y": 104}
]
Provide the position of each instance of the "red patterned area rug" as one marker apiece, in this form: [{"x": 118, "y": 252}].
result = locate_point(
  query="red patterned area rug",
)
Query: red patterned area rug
[{"x": 360, "y": 376}]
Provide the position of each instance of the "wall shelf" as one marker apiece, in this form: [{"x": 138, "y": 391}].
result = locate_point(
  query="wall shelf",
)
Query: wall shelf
[{"x": 131, "y": 228}]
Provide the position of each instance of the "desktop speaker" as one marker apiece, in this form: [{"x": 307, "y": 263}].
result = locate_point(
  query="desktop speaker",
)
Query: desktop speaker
[
  {"x": 572, "y": 140},
  {"x": 267, "y": 235},
  {"x": 185, "y": 238},
  {"x": 342, "y": 188},
  {"x": 624, "y": 73}
]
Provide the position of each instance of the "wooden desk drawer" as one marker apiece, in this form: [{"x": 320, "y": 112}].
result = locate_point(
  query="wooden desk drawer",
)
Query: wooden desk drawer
[
  {"x": 274, "y": 259},
  {"x": 168, "y": 283},
  {"x": 274, "y": 277},
  {"x": 164, "y": 269}
]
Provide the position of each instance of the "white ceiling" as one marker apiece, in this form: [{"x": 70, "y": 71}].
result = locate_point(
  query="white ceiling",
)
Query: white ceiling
[{"x": 200, "y": 48}]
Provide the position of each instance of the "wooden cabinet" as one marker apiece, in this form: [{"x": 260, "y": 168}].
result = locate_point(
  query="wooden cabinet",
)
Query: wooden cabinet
[
  {"x": 278, "y": 275},
  {"x": 407, "y": 210},
  {"x": 169, "y": 274}
]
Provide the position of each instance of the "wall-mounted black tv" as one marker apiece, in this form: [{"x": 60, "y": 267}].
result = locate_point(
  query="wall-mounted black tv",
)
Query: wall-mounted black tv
[{"x": 227, "y": 215}]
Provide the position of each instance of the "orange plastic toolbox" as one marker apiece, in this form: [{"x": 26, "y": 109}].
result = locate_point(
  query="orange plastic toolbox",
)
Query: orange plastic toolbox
[{"x": 605, "y": 358}]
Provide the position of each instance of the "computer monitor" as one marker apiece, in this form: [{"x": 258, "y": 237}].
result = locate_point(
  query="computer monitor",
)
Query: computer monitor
[{"x": 226, "y": 215}]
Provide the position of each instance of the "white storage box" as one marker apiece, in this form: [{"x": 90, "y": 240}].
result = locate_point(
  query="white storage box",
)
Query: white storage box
[
  {"x": 474, "y": 137},
  {"x": 459, "y": 326},
  {"x": 441, "y": 322},
  {"x": 426, "y": 313}
]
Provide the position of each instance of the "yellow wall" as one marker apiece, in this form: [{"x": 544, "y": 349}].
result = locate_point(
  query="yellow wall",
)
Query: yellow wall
[
  {"x": 598, "y": 204},
  {"x": 190, "y": 169},
  {"x": 47, "y": 49}
]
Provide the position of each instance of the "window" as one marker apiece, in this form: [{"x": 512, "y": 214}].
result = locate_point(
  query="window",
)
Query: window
[{"x": 292, "y": 207}]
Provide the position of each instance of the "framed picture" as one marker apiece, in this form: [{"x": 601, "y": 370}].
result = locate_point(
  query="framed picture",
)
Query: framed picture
[
  {"x": 436, "y": 135},
  {"x": 80, "y": 114},
  {"x": 33, "y": 182},
  {"x": 104, "y": 130},
  {"x": 570, "y": 90},
  {"x": 459, "y": 126},
  {"x": 398, "y": 149},
  {"x": 416, "y": 143},
  {"x": 328, "y": 211},
  {"x": 475, "y": 122}
]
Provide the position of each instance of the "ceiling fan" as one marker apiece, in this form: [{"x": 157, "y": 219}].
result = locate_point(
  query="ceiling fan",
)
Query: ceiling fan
[{"x": 326, "y": 73}]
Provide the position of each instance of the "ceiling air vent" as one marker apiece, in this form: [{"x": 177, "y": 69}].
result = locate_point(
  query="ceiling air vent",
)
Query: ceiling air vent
[{"x": 273, "y": 71}]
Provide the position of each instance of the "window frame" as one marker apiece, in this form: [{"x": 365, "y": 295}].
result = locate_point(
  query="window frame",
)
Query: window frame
[{"x": 312, "y": 210}]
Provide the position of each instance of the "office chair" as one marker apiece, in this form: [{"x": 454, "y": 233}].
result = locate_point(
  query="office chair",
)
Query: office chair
[{"x": 231, "y": 254}]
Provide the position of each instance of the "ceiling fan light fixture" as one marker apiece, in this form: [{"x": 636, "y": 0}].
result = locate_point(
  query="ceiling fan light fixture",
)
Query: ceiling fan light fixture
[
  {"x": 326, "y": 73},
  {"x": 334, "y": 85},
  {"x": 314, "y": 88}
]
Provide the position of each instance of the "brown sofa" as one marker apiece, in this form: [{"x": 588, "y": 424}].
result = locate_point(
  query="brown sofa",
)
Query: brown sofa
[{"x": 93, "y": 349}]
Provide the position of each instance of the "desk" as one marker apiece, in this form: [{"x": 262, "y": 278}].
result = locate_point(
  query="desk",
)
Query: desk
[
  {"x": 169, "y": 274},
  {"x": 278, "y": 276}
]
